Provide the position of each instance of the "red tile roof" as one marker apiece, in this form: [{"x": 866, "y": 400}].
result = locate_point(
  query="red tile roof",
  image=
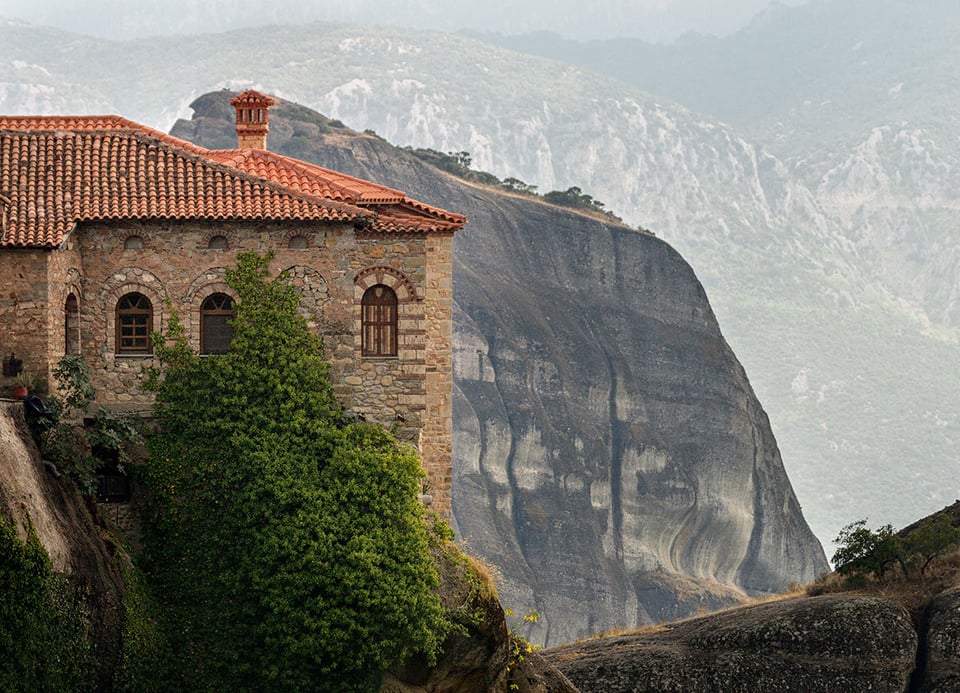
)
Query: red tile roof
[{"x": 56, "y": 171}]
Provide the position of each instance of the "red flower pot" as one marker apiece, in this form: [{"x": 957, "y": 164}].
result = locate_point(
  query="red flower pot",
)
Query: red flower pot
[{"x": 20, "y": 391}]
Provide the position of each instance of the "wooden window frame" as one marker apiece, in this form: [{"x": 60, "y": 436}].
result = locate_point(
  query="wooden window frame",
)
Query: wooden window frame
[
  {"x": 135, "y": 323},
  {"x": 215, "y": 305},
  {"x": 379, "y": 320}
]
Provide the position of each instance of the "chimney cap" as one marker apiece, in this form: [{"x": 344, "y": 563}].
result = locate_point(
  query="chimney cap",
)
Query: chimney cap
[
  {"x": 253, "y": 119},
  {"x": 252, "y": 99}
]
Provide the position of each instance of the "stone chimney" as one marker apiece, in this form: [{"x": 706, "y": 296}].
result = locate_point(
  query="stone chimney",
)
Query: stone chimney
[{"x": 252, "y": 119}]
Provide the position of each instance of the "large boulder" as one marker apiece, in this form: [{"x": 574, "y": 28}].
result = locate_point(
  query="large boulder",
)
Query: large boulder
[
  {"x": 941, "y": 663},
  {"x": 827, "y": 643}
]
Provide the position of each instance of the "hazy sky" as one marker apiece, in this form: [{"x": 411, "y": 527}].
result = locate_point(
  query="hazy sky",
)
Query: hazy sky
[{"x": 654, "y": 20}]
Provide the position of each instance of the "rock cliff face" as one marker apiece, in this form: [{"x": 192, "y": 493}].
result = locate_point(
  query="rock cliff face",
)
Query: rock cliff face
[
  {"x": 610, "y": 458},
  {"x": 30, "y": 497}
]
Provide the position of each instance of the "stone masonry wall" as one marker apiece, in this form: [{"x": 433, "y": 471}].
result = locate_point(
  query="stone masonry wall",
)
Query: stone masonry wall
[
  {"x": 436, "y": 439},
  {"x": 23, "y": 311},
  {"x": 332, "y": 273},
  {"x": 409, "y": 393}
]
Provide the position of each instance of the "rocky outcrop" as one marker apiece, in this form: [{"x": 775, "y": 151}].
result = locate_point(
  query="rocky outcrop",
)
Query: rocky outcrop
[
  {"x": 475, "y": 653},
  {"x": 536, "y": 674},
  {"x": 610, "y": 458},
  {"x": 32, "y": 498},
  {"x": 826, "y": 643},
  {"x": 941, "y": 662}
]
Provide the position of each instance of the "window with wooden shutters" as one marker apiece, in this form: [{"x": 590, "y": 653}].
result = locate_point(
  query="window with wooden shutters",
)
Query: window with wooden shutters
[
  {"x": 134, "y": 324},
  {"x": 215, "y": 329},
  {"x": 379, "y": 321}
]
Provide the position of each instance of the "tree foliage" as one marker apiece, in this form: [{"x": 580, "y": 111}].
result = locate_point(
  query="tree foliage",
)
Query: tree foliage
[
  {"x": 863, "y": 552},
  {"x": 42, "y": 621},
  {"x": 517, "y": 185},
  {"x": 78, "y": 449},
  {"x": 932, "y": 539},
  {"x": 575, "y": 197},
  {"x": 287, "y": 541}
]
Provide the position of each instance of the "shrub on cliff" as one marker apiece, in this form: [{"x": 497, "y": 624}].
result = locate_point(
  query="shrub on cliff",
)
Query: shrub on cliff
[
  {"x": 42, "y": 622},
  {"x": 286, "y": 541}
]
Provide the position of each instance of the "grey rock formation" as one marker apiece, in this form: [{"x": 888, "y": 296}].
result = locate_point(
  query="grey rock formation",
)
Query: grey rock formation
[
  {"x": 535, "y": 674},
  {"x": 941, "y": 663},
  {"x": 611, "y": 461},
  {"x": 828, "y": 643}
]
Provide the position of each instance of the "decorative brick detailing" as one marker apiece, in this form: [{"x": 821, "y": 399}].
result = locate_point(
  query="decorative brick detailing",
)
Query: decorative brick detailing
[
  {"x": 388, "y": 276},
  {"x": 253, "y": 121},
  {"x": 230, "y": 237},
  {"x": 296, "y": 234}
]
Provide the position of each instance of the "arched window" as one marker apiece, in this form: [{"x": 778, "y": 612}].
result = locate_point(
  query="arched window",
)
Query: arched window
[
  {"x": 298, "y": 242},
  {"x": 71, "y": 326},
  {"x": 134, "y": 324},
  {"x": 215, "y": 329},
  {"x": 379, "y": 321},
  {"x": 133, "y": 243},
  {"x": 217, "y": 243}
]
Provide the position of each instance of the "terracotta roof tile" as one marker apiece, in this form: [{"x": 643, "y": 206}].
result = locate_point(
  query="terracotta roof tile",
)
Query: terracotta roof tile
[{"x": 56, "y": 171}]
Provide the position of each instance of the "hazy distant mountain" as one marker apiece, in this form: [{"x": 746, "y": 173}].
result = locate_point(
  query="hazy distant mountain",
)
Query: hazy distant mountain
[
  {"x": 826, "y": 239},
  {"x": 801, "y": 81},
  {"x": 600, "y": 18}
]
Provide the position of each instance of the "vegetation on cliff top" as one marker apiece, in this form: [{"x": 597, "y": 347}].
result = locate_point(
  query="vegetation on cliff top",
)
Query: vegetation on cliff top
[
  {"x": 286, "y": 543},
  {"x": 910, "y": 566}
]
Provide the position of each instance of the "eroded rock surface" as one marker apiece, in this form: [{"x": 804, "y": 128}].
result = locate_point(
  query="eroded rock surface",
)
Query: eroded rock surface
[
  {"x": 611, "y": 461},
  {"x": 827, "y": 643},
  {"x": 942, "y": 656},
  {"x": 30, "y": 497}
]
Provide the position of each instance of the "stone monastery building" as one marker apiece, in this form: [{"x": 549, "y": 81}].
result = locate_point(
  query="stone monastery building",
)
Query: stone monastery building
[{"x": 103, "y": 220}]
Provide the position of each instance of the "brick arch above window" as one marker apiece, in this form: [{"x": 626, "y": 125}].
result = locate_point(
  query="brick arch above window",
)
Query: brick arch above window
[
  {"x": 116, "y": 284},
  {"x": 388, "y": 276},
  {"x": 207, "y": 238},
  {"x": 297, "y": 239},
  {"x": 209, "y": 282},
  {"x": 202, "y": 286},
  {"x": 126, "y": 281}
]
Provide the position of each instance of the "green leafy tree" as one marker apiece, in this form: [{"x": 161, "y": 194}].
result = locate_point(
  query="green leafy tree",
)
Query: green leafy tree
[
  {"x": 517, "y": 185},
  {"x": 287, "y": 542},
  {"x": 76, "y": 448},
  {"x": 863, "y": 551},
  {"x": 932, "y": 539}
]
